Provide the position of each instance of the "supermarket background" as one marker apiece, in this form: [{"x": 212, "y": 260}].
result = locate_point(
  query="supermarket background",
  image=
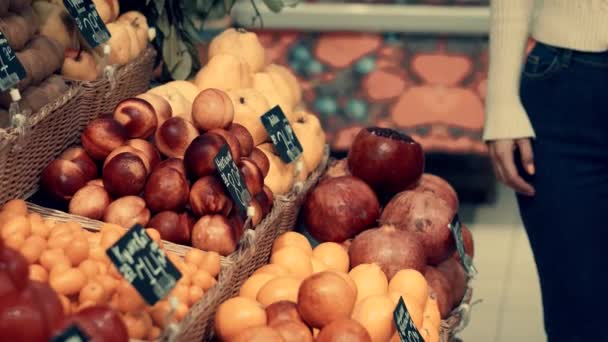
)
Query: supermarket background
[{"x": 426, "y": 77}]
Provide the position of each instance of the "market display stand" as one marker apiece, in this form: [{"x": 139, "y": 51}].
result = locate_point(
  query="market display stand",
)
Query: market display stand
[{"x": 60, "y": 124}]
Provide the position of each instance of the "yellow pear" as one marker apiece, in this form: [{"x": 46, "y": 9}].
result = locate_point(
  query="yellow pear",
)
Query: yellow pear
[
  {"x": 225, "y": 72},
  {"x": 307, "y": 128},
  {"x": 249, "y": 105},
  {"x": 280, "y": 177},
  {"x": 239, "y": 43}
]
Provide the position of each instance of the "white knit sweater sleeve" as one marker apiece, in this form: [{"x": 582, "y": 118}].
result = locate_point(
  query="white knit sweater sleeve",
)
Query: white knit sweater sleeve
[{"x": 505, "y": 115}]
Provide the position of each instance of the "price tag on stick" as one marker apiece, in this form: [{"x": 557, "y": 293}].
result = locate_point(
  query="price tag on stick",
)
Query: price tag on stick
[
  {"x": 405, "y": 326},
  {"x": 456, "y": 228},
  {"x": 11, "y": 70},
  {"x": 71, "y": 334},
  {"x": 280, "y": 132},
  {"x": 88, "y": 21},
  {"x": 233, "y": 180},
  {"x": 143, "y": 264}
]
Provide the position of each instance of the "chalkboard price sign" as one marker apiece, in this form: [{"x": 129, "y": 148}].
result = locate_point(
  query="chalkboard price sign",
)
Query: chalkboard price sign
[
  {"x": 456, "y": 228},
  {"x": 144, "y": 265},
  {"x": 280, "y": 132},
  {"x": 71, "y": 334},
  {"x": 233, "y": 180},
  {"x": 405, "y": 326},
  {"x": 11, "y": 70},
  {"x": 88, "y": 21}
]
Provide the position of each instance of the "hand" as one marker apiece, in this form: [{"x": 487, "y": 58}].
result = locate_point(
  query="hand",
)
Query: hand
[{"x": 501, "y": 152}]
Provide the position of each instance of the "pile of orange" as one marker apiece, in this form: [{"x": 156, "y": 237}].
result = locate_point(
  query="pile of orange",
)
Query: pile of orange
[{"x": 293, "y": 263}]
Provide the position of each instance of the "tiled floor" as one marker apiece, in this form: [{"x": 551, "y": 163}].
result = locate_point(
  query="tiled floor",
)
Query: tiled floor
[{"x": 507, "y": 282}]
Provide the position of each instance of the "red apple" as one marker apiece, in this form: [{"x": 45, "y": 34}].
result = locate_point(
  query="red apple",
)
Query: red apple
[
  {"x": 172, "y": 226},
  {"x": 137, "y": 116}
]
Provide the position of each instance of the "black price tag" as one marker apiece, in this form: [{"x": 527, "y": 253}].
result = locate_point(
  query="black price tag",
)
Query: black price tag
[
  {"x": 11, "y": 70},
  {"x": 456, "y": 228},
  {"x": 143, "y": 264},
  {"x": 233, "y": 180},
  {"x": 405, "y": 326},
  {"x": 71, "y": 334},
  {"x": 280, "y": 132},
  {"x": 88, "y": 21}
]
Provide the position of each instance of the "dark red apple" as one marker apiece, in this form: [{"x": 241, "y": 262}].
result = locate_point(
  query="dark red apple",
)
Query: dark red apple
[
  {"x": 172, "y": 226},
  {"x": 208, "y": 197},
  {"x": 199, "y": 156},
  {"x": 166, "y": 189}
]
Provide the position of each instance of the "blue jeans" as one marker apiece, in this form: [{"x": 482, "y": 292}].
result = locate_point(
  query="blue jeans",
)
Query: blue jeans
[{"x": 565, "y": 94}]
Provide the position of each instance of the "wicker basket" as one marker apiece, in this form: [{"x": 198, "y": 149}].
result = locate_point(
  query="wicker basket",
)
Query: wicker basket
[
  {"x": 457, "y": 320},
  {"x": 101, "y": 96},
  {"x": 293, "y": 201},
  {"x": 53, "y": 128},
  {"x": 59, "y": 124}
]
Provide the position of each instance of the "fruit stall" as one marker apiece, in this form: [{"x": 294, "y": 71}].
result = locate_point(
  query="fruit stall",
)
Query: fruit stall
[{"x": 145, "y": 197}]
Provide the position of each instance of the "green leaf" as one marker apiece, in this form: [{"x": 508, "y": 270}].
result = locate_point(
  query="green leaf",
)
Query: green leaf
[
  {"x": 170, "y": 49},
  {"x": 182, "y": 69},
  {"x": 190, "y": 29},
  {"x": 160, "y": 7},
  {"x": 163, "y": 24}
]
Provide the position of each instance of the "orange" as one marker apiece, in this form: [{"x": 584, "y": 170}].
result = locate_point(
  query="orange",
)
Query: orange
[
  {"x": 432, "y": 313},
  {"x": 296, "y": 261},
  {"x": 277, "y": 270},
  {"x": 411, "y": 282},
  {"x": 370, "y": 280},
  {"x": 236, "y": 315},
  {"x": 333, "y": 255},
  {"x": 251, "y": 287},
  {"x": 413, "y": 307},
  {"x": 317, "y": 266},
  {"x": 375, "y": 313},
  {"x": 280, "y": 288},
  {"x": 292, "y": 239}
]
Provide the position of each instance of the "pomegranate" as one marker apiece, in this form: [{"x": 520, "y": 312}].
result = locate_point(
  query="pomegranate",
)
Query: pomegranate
[
  {"x": 344, "y": 330},
  {"x": 426, "y": 215},
  {"x": 387, "y": 160},
  {"x": 388, "y": 247},
  {"x": 340, "y": 208},
  {"x": 440, "y": 286},
  {"x": 455, "y": 274},
  {"x": 438, "y": 187}
]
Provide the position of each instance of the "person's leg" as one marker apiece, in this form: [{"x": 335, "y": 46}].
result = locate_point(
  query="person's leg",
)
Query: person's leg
[{"x": 565, "y": 220}]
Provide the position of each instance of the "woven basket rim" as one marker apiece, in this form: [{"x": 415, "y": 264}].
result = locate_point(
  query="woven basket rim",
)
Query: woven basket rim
[
  {"x": 11, "y": 134},
  {"x": 122, "y": 69}
]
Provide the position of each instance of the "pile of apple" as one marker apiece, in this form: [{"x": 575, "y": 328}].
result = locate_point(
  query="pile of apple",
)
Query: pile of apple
[
  {"x": 129, "y": 37},
  {"x": 379, "y": 202},
  {"x": 73, "y": 262},
  {"x": 238, "y": 67},
  {"x": 307, "y": 294},
  {"x": 156, "y": 155}
]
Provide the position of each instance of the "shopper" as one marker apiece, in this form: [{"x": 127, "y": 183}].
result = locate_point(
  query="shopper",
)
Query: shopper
[{"x": 547, "y": 131}]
